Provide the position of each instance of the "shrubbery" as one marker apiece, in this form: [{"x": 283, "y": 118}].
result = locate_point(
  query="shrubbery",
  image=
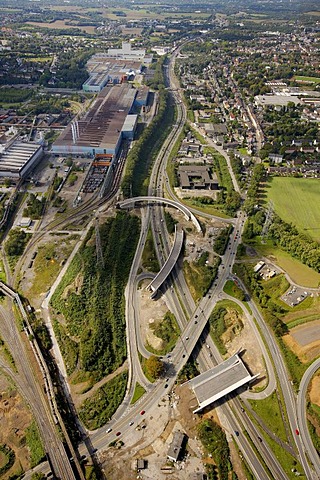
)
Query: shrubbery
[
  {"x": 10, "y": 456},
  {"x": 97, "y": 410},
  {"x": 215, "y": 442},
  {"x": 222, "y": 239},
  {"x": 298, "y": 245},
  {"x": 34, "y": 207},
  {"x": 142, "y": 154},
  {"x": 16, "y": 242},
  {"x": 91, "y": 296}
]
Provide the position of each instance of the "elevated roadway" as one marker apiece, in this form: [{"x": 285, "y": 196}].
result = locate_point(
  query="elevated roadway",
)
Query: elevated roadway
[
  {"x": 165, "y": 271},
  {"x": 188, "y": 214}
]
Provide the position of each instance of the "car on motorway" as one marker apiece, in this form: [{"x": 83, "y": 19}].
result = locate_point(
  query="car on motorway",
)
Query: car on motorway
[
  {"x": 131, "y": 423},
  {"x": 118, "y": 434},
  {"x": 297, "y": 432},
  {"x": 109, "y": 430},
  {"x": 187, "y": 338},
  {"x": 142, "y": 412},
  {"x": 237, "y": 433},
  {"x": 195, "y": 322},
  {"x": 166, "y": 385}
]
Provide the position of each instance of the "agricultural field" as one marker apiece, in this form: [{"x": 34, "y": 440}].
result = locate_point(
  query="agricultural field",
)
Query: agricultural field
[
  {"x": 296, "y": 201},
  {"x": 63, "y": 25}
]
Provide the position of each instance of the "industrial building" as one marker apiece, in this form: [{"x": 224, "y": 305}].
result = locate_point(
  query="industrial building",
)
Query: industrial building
[
  {"x": 95, "y": 82},
  {"x": 105, "y": 70},
  {"x": 217, "y": 382},
  {"x": 102, "y": 129},
  {"x": 128, "y": 53},
  {"x": 19, "y": 159},
  {"x": 142, "y": 96},
  {"x": 129, "y": 126}
]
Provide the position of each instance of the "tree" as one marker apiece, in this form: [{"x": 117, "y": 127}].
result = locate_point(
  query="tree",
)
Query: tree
[
  {"x": 38, "y": 476},
  {"x": 16, "y": 242},
  {"x": 154, "y": 366}
]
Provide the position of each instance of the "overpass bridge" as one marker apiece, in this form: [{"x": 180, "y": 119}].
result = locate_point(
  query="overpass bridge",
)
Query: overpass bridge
[
  {"x": 150, "y": 199},
  {"x": 169, "y": 264}
]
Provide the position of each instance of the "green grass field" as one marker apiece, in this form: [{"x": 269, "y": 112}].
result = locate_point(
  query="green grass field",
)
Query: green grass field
[
  {"x": 298, "y": 272},
  {"x": 307, "y": 79},
  {"x": 297, "y": 201}
]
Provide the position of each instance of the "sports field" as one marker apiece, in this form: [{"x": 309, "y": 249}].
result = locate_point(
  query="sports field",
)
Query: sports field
[{"x": 297, "y": 201}]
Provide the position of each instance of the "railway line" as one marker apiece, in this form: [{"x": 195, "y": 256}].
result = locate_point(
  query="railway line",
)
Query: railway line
[{"x": 86, "y": 208}]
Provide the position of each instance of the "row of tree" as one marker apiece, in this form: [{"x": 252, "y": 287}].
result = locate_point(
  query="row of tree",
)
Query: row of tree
[
  {"x": 297, "y": 244},
  {"x": 143, "y": 152}
]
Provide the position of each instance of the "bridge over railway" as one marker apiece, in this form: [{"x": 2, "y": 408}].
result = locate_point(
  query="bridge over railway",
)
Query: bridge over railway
[{"x": 150, "y": 199}]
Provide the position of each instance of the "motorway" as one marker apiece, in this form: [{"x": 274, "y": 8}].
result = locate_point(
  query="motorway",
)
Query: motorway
[
  {"x": 190, "y": 335},
  {"x": 191, "y": 332},
  {"x": 192, "y": 319}
]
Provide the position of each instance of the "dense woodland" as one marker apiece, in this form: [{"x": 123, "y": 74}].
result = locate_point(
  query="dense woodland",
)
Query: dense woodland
[{"x": 94, "y": 311}]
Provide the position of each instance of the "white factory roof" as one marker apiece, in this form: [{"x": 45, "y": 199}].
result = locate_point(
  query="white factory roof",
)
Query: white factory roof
[
  {"x": 17, "y": 155},
  {"x": 219, "y": 381},
  {"x": 130, "y": 123}
]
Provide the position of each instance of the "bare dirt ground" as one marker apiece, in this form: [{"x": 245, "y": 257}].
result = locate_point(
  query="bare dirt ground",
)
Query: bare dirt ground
[
  {"x": 15, "y": 417},
  {"x": 315, "y": 390},
  {"x": 150, "y": 311},
  {"x": 152, "y": 443},
  {"x": 304, "y": 341},
  {"x": 307, "y": 333},
  {"x": 237, "y": 338}
]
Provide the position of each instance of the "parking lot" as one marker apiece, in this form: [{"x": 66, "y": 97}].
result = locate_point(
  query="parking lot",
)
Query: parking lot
[{"x": 295, "y": 295}]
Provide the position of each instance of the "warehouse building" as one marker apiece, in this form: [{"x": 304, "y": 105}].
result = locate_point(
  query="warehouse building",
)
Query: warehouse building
[
  {"x": 100, "y": 131},
  {"x": 19, "y": 159},
  {"x": 142, "y": 96},
  {"x": 129, "y": 126},
  {"x": 177, "y": 446}
]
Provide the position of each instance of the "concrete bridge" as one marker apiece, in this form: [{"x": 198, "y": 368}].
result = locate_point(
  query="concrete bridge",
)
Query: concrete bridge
[
  {"x": 169, "y": 264},
  {"x": 187, "y": 213}
]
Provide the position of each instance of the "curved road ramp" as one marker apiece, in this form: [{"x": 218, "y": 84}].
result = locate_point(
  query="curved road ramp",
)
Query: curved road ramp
[
  {"x": 169, "y": 264},
  {"x": 187, "y": 213}
]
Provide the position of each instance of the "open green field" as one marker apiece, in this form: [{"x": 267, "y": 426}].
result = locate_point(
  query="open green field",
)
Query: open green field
[
  {"x": 297, "y": 201},
  {"x": 298, "y": 272},
  {"x": 300, "y": 78}
]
